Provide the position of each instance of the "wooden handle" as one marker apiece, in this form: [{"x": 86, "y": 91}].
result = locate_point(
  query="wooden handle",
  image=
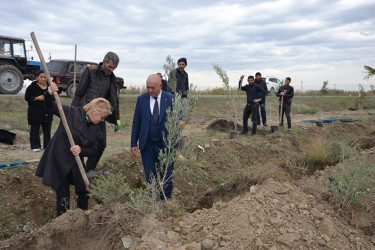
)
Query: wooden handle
[{"x": 61, "y": 111}]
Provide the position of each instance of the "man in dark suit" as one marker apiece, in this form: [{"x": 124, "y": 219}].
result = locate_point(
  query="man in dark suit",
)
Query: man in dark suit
[{"x": 148, "y": 128}]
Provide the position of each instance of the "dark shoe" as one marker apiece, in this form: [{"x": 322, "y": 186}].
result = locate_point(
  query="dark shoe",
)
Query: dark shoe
[
  {"x": 253, "y": 134},
  {"x": 265, "y": 124},
  {"x": 289, "y": 129},
  {"x": 244, "y": 133}
]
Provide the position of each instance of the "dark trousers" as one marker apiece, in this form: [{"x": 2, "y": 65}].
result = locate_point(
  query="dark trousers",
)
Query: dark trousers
[
  {"x": 286, "y": 110},
  {"x": 250, "y": 109},
  {"x": 262, "y": 107},
  {"x": 92, "y": 161},
  {"x": 74, "y": 177},
  {"x": 35, "y": 136},
  {"x": 150, "y": 159}
]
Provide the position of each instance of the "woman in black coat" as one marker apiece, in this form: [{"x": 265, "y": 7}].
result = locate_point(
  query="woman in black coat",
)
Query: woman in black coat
[
  {"x": 36, "y": 113},
  {"x": 58, "y": 166}
]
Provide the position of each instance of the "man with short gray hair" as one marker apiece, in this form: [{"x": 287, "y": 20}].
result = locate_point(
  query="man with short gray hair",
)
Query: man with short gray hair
[{"x": 99, "y": 81}]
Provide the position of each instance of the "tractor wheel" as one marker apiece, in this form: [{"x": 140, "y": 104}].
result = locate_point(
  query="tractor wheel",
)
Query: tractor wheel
[{"x": 11, "y": 79}]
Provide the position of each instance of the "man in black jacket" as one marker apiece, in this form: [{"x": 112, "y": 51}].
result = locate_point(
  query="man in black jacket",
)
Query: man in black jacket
[
  {"x": 182, "y": 78},
  {"x": 262, "y": 103},
  {"x": 99, "y": 81},
  {"x": 285, "y": 94},
  {"x": 255, "y": 94}
]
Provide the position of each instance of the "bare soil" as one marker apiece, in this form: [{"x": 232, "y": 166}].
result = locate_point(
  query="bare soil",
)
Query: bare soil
[{"x": 270, "y": 208}]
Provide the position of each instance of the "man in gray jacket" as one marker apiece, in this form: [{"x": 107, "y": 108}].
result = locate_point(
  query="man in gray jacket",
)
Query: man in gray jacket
[{"x": 99, "y": 81}]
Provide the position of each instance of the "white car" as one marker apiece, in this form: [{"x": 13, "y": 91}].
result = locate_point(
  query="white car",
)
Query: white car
[{"x": 273, "y": 83}]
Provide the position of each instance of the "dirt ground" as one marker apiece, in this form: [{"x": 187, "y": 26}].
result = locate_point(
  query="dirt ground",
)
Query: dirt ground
[{"x": 275, "y": 212}]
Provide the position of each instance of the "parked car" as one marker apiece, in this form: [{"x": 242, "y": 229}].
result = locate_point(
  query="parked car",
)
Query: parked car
[
  {"x": 62, "y": 72},
  {"x": 273, "y": 83}
]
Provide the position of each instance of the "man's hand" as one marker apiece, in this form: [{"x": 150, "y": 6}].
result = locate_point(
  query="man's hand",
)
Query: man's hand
[
  {"x": 242, "y": 77},
  {"x": 181, "y": 124},
  {"x": 135, "y": 151},
  {"x": 282, "y": 93},
  {"x": 76, "y": 150},
  {"x": 117, "y": 126},
  {"x": 257, "y": 100}
]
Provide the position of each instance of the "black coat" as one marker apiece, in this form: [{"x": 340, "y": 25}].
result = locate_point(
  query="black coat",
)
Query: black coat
[
  {"x": 57, "y": 159},
  {"x": 36, "y": 111},
  {"x": 289, "y": 93},
  {"x": 94, "y": 83}
]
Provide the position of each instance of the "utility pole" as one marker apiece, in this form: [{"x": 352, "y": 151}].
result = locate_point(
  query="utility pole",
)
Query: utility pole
[{"x": 301, "y": 87}]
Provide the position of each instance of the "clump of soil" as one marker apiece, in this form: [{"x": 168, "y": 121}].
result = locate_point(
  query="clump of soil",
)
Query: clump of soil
[{"x": 223, "y": 125}]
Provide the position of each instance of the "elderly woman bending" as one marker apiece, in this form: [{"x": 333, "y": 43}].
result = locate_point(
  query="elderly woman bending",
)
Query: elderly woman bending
[{"x": 58, "y": 166}]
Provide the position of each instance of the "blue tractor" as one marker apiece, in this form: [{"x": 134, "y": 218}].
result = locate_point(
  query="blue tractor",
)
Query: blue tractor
[{"x": 14, "y": 66}]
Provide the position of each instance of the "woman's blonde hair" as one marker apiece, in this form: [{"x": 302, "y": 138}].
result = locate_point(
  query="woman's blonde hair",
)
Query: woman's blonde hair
[{"x": 98, "y": 106}]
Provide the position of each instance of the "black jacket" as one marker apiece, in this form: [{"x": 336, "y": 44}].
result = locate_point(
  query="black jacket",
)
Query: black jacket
[
  {"x": 182, "y": 82},
  {"x": 57, "y": 159},
  {"x": 289, "y": 93},
  {"x": 253, "y": 91},
  {"x": 36, "y": 111},
  {"x": 94, "y": 83},
  {"x": 262, "y": 83}
]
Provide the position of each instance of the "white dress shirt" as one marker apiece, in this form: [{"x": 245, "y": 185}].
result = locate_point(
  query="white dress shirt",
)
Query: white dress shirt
[{"x": 152, "y": 102}]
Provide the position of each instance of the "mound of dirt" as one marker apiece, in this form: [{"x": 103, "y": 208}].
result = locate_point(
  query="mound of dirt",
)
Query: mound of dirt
[
  {"x": 273, "y": 215},
  {"x": 223, "y": 125}
]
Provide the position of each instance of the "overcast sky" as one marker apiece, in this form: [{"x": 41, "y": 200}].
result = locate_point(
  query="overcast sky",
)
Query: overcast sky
[{"x": 310, "y": 41}]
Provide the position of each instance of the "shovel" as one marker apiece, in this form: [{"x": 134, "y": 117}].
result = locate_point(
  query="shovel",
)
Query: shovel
[
  {"x": 276, "y": 128},
  {"x": 61, "y": 111}
]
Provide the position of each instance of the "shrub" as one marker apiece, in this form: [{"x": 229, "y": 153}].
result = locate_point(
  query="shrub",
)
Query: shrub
[
  {"x": 317, "y": 156},
  {"x": 350, "y": 181},
  {"x": 341, "y": 151},
  {"x": 114, "y": 188},
  {"x": 110, "y": 188}
]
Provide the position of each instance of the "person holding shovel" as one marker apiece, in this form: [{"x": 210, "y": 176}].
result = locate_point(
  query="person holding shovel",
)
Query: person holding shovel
[
  {"x": 99, "y": 81},
  {"x": 58, "y": 166},
  {"x": 285, "y": 94},
  {"x": 255, "y": 93}
]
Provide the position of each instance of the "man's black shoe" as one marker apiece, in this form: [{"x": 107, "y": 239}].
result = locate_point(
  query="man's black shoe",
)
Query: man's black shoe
[
  {"x": 265, "y": 124},
  {"x": 244, "y": 133},
  {"x": 253, "y": 134}
]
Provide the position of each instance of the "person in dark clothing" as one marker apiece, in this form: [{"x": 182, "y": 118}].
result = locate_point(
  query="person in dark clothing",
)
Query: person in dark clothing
[
  {"x": 58, "y": 166},
  {"x": 182, "y": 78},
  {"x": 285, "y": 94},
  {"x": 99, "y": 81},
  {"x": 164, "y": 83},
  {"x": 255, "y": 94},
  {"x": 36, "y": 113},
  {"x": 262, "y": 103}
]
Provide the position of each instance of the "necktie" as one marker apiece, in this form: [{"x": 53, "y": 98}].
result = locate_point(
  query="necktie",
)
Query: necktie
[{"x": 155, "y": 112}]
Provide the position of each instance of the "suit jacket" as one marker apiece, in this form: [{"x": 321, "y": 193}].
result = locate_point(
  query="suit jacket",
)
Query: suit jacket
[{"x": 142, "y": 116}]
